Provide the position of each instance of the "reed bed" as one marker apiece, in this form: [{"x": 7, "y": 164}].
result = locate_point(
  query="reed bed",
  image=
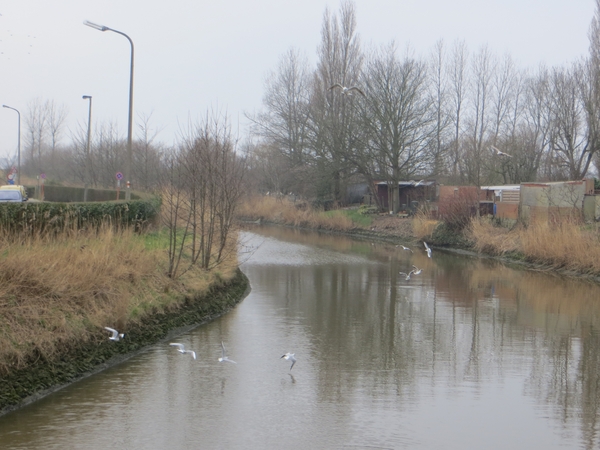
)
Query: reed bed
[
  {"x": 55, "y": 293},
  {"x": 299, "y": 214},
  {"x": 564, "y": 245},
  {"x": 423, "y": 226}
]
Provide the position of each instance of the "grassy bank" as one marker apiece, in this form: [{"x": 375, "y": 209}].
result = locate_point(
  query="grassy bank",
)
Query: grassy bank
[
  {"x": 300, "y": 214},
  {"x": 566, "y": 245},
  {"x": 57, "y": 295}
]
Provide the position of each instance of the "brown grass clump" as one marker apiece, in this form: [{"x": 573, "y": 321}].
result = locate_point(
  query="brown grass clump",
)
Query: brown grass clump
[
  {"x": 563, "y": 245},
  {"x": 492, "y": 240},
  {"x": 423, "y": 226},
  {"x": 54, "y": 293}
]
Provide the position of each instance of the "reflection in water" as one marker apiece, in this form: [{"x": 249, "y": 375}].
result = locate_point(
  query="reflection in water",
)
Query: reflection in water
[{"x": 467, "y": 354}]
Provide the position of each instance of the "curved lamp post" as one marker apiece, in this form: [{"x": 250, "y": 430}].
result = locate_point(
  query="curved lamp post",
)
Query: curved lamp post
[
  {"x": 87, "y": 149},
  {"x": 130, "y": 124},
  {"x": 18, "y": 144}
]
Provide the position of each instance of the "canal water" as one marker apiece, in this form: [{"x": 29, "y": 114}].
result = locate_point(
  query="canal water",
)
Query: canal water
[{"x": 467, "y": 354}]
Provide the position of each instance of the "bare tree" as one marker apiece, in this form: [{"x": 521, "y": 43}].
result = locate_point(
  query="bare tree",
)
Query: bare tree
[
  {"x": 36, "y": 120},
  {"x": 44, "y": 124},
  {"x": 201, "y": 191},
  {"x": 458, "y": 90},
  {"x": 476, "y": 149},
  {"x": 57, "y": 116},
  {"x": 397, "y": 118},
  {"x": 333, "y": 112},
  {"x": 147, "y": 154},
  {"x": 439, "y": 101},
  {"x": 571, "y": 140},
  {"x": 107, "y": 154},
  {"x": 592, "y": 90},
  {"x": 284, "y": 123}
]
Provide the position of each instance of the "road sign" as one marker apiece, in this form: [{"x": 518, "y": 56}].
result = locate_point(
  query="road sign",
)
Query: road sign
[
  {"x": 119, "y": 176},
  {"x": 43, "y": 176}
]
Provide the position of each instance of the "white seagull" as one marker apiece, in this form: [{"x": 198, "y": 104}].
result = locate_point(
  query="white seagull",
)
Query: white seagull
[
  {"x": 417, "y": 271},
  {"x": 290, "y": 357},
  {"x": 499, "y": 153},
  {"x": 347, "y": 90},
  {"x": 407, "y": 275},
  {"x": 427, "y": 249},
  {"x": 224, "y": 357},
  {"x": 404, "y": 248},
  {"x": 181, "y": 349},
  {"x": 116, "y": 336}
]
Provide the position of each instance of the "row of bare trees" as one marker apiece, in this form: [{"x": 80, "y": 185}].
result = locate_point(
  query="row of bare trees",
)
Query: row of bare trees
[
  {"x": 200, "y": 178},
  {"x": 201, "y": 188},
  {"x": 44, "y": 149},
  {"x": 416, "y": 117}
]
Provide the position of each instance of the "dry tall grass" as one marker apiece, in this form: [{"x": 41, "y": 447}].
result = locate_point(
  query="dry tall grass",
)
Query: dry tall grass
[
  {"x": 423, "y": 226},
  {"x": 57, "y": 292},
  {"x": 299, "y": 214},
  {"x": 565, "y": 245}
]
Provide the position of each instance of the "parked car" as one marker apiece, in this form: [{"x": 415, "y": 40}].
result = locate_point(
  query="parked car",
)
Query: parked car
[
  {"x": 12, "y": 195},
  {"x": 13, "y": 187}
]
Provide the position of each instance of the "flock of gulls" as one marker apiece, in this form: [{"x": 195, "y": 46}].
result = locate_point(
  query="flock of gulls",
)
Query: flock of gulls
[
  {"x": 416, "y": 270},
  {"x": 116, "y": 336},
  {"x": 291, "y": 357}
]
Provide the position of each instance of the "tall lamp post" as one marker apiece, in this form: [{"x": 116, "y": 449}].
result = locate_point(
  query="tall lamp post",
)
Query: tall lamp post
[
  {"x": 18, "y": 144},
  {"x": 128, "y": 165},
  {"x": 87, "y": 149}
]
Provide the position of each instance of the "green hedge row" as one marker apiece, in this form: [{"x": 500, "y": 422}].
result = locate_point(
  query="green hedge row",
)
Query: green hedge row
[
  {"x": 45, "y": 217},
  {"x": 67, "y": 194}
]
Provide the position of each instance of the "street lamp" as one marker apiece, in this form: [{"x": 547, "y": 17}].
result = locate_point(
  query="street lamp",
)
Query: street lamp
[
  {"x": 18, "y": 144},
  {"x": 87, "y": 150},
  {"x": 130, "y": 124}
]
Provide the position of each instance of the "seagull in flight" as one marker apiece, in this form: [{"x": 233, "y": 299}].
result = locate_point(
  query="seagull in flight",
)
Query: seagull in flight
[
  {"x": 224, "y": 357},
  {"x": 405, "y": 248},
  {"x": 417, "y": 271},
  {"x": 407, "y": 275},
  {"x": 427, "y": 249},
  {"x": 499, "y": 153},
  {"x": 347, "y": 90},
  {"x": 116, "y": 336},
  {"x": 290, "y": 357},
  {"x": 181, "y": 349}
]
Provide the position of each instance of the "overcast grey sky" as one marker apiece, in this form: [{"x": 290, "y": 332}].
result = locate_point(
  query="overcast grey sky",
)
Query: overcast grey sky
[{"x": 192, "y": 55}]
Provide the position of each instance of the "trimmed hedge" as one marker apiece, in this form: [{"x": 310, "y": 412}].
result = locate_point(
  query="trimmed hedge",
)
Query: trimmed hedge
[
  {"x": 45, "y": 217},
  {"x": 67, "y": 194}
]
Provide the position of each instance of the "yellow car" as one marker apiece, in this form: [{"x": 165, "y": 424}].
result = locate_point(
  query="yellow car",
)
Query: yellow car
[{"x": 7, "y": 193}]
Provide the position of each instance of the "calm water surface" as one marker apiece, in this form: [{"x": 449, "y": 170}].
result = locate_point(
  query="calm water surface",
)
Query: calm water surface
[{"x": 469, "y": 354}]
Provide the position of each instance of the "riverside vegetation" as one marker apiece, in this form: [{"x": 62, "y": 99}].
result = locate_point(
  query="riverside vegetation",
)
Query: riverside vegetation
[
  {"x": 567, "y": 245},
  {"x": 57, "y": 293}
]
